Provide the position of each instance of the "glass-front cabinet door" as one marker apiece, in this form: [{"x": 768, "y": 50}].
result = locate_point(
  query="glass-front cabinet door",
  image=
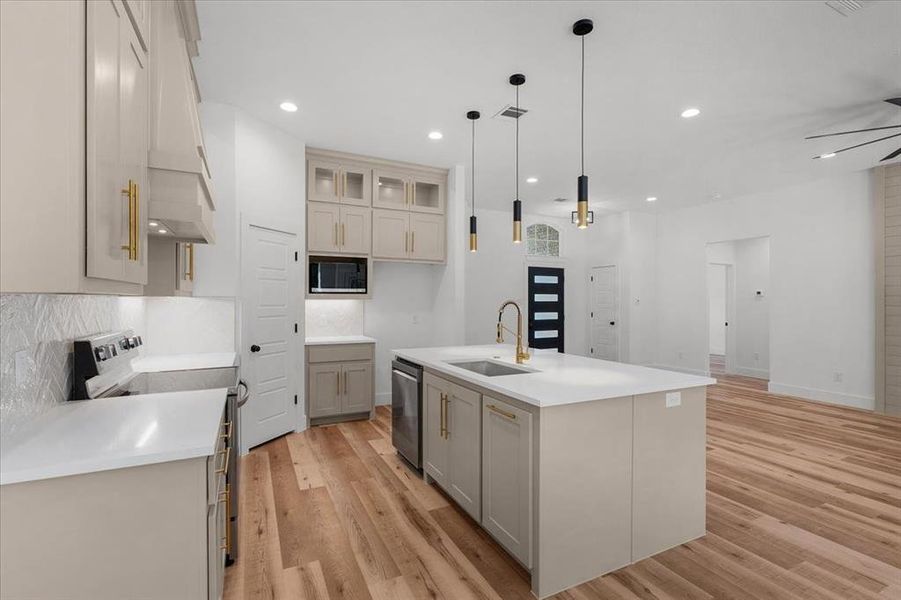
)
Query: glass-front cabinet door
[
  {"x": 356, "y": 185},
  {"x": 427, "y": 195},
  {"x": 390, "y": 190},
  {"x": 323, "y": 181}
]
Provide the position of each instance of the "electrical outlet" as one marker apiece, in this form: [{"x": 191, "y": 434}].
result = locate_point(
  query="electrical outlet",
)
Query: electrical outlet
[
  {"x": 416, "y": 319},
  {"x": 673, "y": 399},
  {"x": 681, "y": 355},
  {"x": 837, "y": 377}
]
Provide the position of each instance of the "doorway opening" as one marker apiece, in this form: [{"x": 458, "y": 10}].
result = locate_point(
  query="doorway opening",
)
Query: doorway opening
[{"x": 738, "y": 335}]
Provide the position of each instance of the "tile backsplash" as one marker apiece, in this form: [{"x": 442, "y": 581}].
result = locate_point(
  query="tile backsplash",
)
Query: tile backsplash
[
  {"x": 36, "y": 331},
  {"x": 333, "y": 317}
]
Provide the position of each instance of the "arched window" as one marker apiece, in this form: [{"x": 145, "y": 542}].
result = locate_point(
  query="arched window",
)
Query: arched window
[{"x": 542, "y": 240}]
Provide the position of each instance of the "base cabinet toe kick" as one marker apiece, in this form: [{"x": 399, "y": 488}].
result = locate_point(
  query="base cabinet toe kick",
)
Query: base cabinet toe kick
[{"x": 571, "y": 491}]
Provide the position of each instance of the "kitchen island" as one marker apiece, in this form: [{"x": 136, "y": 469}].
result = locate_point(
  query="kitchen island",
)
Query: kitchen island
[{"x": 576, "y": 466}]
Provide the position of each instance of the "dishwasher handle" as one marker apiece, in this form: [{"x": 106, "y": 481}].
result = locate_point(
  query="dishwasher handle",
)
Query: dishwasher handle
[{"x": 404, "y": 375}]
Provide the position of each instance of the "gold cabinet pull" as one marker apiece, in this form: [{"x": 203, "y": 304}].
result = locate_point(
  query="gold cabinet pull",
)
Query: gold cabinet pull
[
  {"x": 445, "y": 401},
  {"x": 343, "y": 238},
  {"x": 441, "y": 416},
  {"x": 412, "y": 193},
  {"x": 406, "y": 242},
  {"x": 189, "y": 261},
  {"x": 344, "y": 184},
  {"x": 137, "y": 218},
  {"x": 336, "y": 233},
  {"x": 338, "y": 382},
  {"x": 413, "y": 242},
  {"x": 345, "y": 382},
  {"x": 224, "y": 468},
  {"x": 335, "y": 179},
  {"x": 502, "y": 412},
  {"x": 131, "y": 192},
  {"x": 228, "y": 430}
]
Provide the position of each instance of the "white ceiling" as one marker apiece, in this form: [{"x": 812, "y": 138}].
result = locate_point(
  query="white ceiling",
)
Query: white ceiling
[{"x": 376, "y": 77}]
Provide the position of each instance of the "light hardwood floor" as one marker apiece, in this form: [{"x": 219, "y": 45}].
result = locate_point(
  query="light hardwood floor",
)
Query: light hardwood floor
[{"x": 804, "y": 501}]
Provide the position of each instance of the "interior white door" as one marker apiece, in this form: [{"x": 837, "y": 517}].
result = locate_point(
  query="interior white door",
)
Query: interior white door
[
  {"x": 269, "y": 355},
  {"x": 603, "y": 313}
]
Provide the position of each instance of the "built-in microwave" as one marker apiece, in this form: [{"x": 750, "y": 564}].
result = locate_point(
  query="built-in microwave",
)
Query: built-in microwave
[{"x": 346, "y": 275}]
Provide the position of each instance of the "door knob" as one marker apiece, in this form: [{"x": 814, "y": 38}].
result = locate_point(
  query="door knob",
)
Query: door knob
[
  {"x": 254, "y": 348},
  {"x": 613, "y": 322}
]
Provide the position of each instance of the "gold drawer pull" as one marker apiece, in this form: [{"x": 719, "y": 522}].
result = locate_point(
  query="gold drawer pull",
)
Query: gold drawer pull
[
  {"x": 224, "y": 468},
  {"x": 228, "y": 430},
  {"x": 504, "y": 413}
]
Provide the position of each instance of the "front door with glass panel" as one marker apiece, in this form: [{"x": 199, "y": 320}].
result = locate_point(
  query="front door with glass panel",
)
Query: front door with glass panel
[{"x": 546, "y": 308}]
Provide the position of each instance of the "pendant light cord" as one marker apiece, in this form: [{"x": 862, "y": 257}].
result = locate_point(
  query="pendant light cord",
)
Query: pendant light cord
[
  {"x": 473, "y": 172},
  {"x": 518, "y": 115},
  {"x": 583, "y": 105}
]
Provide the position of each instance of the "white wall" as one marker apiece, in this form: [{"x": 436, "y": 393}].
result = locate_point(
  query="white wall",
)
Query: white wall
[
  {"x": 497, "y": 272},
  {"x": 259, "y": 175},
  {"x": 821, "y": 289}
]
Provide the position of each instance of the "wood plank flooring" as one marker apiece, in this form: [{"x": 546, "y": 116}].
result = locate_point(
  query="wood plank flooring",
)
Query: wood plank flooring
[{"x": 804, "y": 502}]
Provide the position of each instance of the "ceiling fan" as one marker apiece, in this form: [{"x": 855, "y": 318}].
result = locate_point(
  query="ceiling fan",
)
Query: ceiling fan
[{"x": 896, "y": 102}]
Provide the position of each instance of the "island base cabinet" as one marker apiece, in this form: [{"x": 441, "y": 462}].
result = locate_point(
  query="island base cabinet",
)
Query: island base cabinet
[
  {"x": 668, "y": 471},
  {"x": 453, "y": 441},
  {"x": 507, "y": 476}
]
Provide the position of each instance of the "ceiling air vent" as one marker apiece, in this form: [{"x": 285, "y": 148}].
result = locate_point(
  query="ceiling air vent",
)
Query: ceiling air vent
[
  {"x": 846, "y": 7},
  {"x": 511, "y": 112}
]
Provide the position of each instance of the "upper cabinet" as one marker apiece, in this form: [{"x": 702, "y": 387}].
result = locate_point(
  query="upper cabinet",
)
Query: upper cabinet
[
  {"x": 400, "y": 191},
  {"x": 82, "y": 178},
  {"x": 116, "y": 129},
  {"x": 181, "y": 189},
  {"x": 334, "y": 182},
  {"x": 406, "y": 221}
]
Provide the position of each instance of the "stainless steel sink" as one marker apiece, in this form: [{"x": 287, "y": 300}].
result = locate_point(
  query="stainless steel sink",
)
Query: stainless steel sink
[{"x": 489, "y": 368}]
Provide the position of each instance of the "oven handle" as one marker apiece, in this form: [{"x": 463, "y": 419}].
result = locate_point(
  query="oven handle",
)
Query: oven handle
[{"x": 243, "y": 397}]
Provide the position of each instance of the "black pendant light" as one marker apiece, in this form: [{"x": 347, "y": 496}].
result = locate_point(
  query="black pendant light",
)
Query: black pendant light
[
  {"x": 473, "y": 115},
  {"x": 581, "y": 28},
  {"x": 517, "y": 80}
]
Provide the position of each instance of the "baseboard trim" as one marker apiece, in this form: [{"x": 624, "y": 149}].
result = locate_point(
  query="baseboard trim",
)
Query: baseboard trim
[
  {"x": 830, "y": 397},
  {"x": 383, "y": 399},
  {"x": 700, "y": 372},
  {"x": 752, "y": 372}
]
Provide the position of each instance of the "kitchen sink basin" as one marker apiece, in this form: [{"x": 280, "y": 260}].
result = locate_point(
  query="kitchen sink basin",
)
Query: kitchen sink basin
[{"x": 489, "y": 368}]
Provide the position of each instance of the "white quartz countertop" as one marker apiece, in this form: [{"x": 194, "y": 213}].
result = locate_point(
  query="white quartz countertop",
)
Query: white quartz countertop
[
  {"x": 112, "y": 433},
  {"x": 322, "y": 340},
  {"x": 184, "y": 362},
  {"x": 554, "y": 379}
]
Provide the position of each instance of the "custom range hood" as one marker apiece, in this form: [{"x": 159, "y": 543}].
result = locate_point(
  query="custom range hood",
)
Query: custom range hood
[{"x": 181, "y": 189}]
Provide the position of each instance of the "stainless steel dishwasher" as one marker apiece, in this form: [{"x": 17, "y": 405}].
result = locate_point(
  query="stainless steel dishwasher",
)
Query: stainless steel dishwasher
[{"x": 406, "y": 410}]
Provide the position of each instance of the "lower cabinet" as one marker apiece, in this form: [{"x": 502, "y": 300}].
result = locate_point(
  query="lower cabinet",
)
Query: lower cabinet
[
  {"x": 479, "y": 450},
  {"x": 507, "y": 476},
  {"x": 155, "y": 531},
  {"x": 339, "y": 381},
  {"x": 453, "y": 441}
]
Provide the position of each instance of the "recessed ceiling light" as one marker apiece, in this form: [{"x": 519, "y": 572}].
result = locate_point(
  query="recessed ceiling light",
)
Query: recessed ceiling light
[
  {"x": 288, "y": 106},
  {"x": 532, "y": 180},
  {"x": 162, "y": 231},
  {"x": 827, "y": 155},
  {"x": 690, "y": 112},
  {"x": 435, "y": 135},
  {"x": 652, "y": 198},
  {"x": 153, "y": 224}
]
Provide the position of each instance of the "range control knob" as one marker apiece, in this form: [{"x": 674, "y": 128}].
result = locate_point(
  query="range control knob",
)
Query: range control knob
[
  {"x": 111, "y": 351},
  {"x": 100, "y": 353},
  {"x": 140, "y": 341},
  {"x": 123, "y": 343}
]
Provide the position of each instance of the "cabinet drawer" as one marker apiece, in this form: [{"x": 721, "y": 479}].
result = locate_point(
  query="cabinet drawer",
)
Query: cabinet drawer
[{"x": 339, "y": 353}]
